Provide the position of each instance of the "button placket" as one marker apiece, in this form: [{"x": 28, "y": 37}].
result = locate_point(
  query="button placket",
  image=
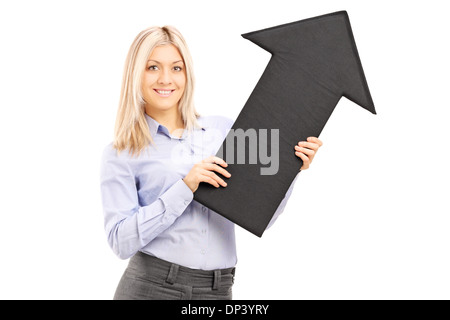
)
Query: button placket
[
  {"x": 204, "y": 231},
  {"x": 205, "y": 228},
  {"x": 187, "y": 145}
]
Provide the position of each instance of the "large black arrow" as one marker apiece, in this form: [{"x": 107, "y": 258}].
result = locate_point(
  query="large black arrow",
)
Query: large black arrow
[{"x": 314, "y": 63}]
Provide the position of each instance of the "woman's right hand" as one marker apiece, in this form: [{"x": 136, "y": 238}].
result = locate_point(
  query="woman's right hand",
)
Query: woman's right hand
[{"x": 203, "y": 171}]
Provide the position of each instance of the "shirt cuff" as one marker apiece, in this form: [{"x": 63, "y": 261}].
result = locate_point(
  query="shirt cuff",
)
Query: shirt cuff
[{"x": 177, "y": 198}]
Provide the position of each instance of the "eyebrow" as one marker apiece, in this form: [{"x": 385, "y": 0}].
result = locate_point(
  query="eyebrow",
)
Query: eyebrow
[{"x": 161, "y": 63}]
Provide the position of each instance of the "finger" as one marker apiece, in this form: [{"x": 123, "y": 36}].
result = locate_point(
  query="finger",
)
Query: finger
[
  {"x": 302, "y": 156},
  {"x": 215, "y": 167},
  {"x": 214, "y": 159},
  {"x": 214, "y": 176},
  {"x": 207, "y": 179},
  {"x": 309, "y": 145},
  {"x": 305, "y": 160},
  {"x": 315, "y": 140},
  {"x": 306, "y": 151}
]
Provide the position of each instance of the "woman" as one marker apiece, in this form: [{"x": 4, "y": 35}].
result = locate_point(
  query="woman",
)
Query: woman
[{"x": 179, "y": 249}]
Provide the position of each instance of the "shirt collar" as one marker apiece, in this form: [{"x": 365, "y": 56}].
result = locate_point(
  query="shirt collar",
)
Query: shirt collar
[{"x": 154, "y": 126}]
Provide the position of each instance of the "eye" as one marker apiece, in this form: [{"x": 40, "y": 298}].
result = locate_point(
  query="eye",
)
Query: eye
[
  {"x": 178, "y": 69},
  {"x": 153, "y": 68}
]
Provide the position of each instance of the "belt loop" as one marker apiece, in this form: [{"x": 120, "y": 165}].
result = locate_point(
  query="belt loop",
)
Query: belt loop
[
  {"x": 217, "y": 278},
  {"x": 173, "y": 272}
]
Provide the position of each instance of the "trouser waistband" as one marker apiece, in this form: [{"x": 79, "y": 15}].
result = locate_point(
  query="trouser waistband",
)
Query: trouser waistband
[{"x": 153, "y": 267}]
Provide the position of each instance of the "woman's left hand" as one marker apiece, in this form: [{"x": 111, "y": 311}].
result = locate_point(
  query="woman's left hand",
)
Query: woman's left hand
[{"x": 307, "y": 150}]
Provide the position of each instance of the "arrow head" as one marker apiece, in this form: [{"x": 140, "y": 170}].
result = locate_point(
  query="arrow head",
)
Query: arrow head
[{"x": 324, "y": 48}]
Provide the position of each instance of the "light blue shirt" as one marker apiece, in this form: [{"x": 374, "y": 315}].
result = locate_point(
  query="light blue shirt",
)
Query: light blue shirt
[{"x": 148, "y": 207}]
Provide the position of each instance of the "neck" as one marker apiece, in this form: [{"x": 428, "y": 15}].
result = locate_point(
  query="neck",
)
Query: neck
[{"x": 171, "y": 118}]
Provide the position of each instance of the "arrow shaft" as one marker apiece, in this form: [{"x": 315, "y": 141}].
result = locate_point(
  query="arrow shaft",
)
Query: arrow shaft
[{"x": 314, "y": 62}]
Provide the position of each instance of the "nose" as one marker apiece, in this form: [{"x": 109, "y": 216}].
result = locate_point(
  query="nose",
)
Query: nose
[{"x": 164, "y": 77}]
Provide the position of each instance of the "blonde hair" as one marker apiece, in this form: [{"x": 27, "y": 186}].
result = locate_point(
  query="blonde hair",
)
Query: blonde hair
[{"x": 131, "y": 129}]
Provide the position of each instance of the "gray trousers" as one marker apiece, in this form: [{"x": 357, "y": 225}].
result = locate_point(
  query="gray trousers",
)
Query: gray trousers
[{"x": 150, "y": 278}]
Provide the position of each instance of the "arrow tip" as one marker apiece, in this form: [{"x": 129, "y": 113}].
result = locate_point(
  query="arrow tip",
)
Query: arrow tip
[{"x": 326, "y": 47}]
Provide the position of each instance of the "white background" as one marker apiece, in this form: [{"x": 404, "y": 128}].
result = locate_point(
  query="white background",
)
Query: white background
[{"x": 369, "y": 219}]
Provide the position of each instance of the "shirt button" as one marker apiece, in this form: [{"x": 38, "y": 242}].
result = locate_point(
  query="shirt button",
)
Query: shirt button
[
  {"x": 203, "y": 251},
  {"x": 203, "y": 230},
  {"x": 204, "y": 209}
]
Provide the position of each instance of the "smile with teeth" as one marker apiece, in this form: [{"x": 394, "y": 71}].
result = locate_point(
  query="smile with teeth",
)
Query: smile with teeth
[{"x": 163, "y": 93}]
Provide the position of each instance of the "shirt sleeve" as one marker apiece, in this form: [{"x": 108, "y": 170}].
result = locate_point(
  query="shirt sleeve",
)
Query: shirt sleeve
[
  {"x": 283, "y": 203},
  {"x": 128, "y": 226}
]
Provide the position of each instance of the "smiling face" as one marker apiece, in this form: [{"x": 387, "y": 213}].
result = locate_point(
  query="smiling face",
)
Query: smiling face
[{"x": 164, "y": 79}]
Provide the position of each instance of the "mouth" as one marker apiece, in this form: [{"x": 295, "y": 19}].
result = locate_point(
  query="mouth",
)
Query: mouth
[{"x": 163, "y": 93}]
